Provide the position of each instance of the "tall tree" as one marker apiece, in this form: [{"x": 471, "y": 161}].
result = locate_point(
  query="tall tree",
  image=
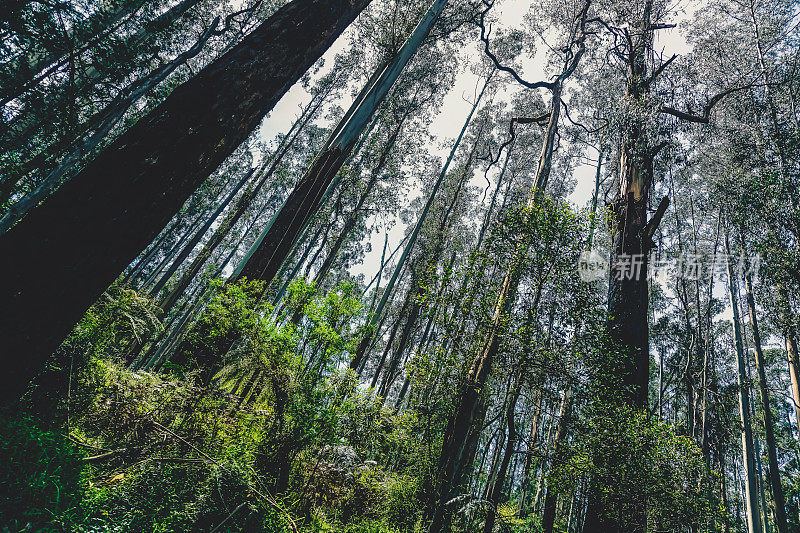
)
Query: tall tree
[
  {"x": 280, "y": 235},
  {"x": 748, "y": 457},
  {"x": 470, "y": 403},
  {"x": 77, "y": 242},
  {"x": 375, "y": 316},
  {"x": 766, "y": 408}
]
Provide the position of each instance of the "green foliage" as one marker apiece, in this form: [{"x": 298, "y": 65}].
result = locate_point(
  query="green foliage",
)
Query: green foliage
[
  {"x": 664, "y": 472},
  {"x": 42, "y": 479},
  {"x": 328, "y": 320},
  {"x": 120, "y": 318},
  {"x": 234, "y": 313}
]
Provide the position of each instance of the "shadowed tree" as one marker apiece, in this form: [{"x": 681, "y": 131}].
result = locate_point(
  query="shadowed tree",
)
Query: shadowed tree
[{"x": 77, "y": 242}]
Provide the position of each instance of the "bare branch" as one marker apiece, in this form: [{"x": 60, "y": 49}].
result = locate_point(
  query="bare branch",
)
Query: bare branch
[
  {"x": 230, "y": 18},
  {"x": 586, "y": 129},
  {"x": 485, "y": 38},
  {"x": 705, "y": 117},
  {"x": 656, "y": 73},
  {"x": 513, "y": 135}
]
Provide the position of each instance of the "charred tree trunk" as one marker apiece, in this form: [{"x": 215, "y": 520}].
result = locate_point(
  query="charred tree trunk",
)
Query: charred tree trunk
[{"x": 624, "y": 374}]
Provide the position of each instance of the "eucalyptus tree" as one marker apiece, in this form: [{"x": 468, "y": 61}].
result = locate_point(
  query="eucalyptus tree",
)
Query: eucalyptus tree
[
  {"x": 375, "y": 316},
  {"x": 755, "y": 178},
  {"x": 469, "y": 402},
  {"x": 280, "y": 235},
  {"x": 80, "y": 102},
  {"x": 766, "y": 408},
  {"x": 260, "y": 177},
  {"x": 551, "y": 298},
  {"x": 766, "y": 32},
  {"x": 405, "y": 120},
  {"x": 439, "y": 228},
  {"x": 748, "y": 457},
  {"x": 639, "y": 135},
  {"x": 78, "y": 241}
]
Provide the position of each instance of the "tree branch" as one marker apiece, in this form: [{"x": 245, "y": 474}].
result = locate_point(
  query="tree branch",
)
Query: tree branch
[
  {"x": 704, "y": 118},
  {"x": 586, "y": 129},
  {"x": 656, "y": 73},
  {"x": 485, "y": 38},
  {"x": 230, "y": 18},
  {"x": 572, "y": 63},
  {"x": 513, "y": 135},
  {"x": 650, "y": 228}
]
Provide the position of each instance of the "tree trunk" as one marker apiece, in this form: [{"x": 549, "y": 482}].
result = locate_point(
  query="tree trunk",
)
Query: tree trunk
[
  {"x": 549, "y": 517},
  {"x": 421, "y": 288},
  {"x": 496, "y": 489},
  {"x": 760, "y": 480},
  {"x": 194, "y": 226},
  {"x": 189, "y": 247},
  {"x": 543, "y": 464},
  {"x": 794, "y": 372},
  {"x": 769, "y": 428},
  {"x": 374, "y": 317},
  {"x": 394, "y": 361},
  {"x": 70, "y": 248},
  {"x": 132, "y": 276},
  {"x": 624, "y": 374},
  {"x": 748, "y": 458},
  {"x": 239, "y": 208},
  {"x": 280, "y": 235},
  {"x": 354, "y": 215},
  {"x": 627, "y": 328},
  {"x": 528, "y": 464},
  {"x": 426, "y": 334},
  {"x": 390, "y": 342},
  {"x": 471, "y": 395},
  {"x": 494, "y": 464},
  {"x": 458, "y": 317}
]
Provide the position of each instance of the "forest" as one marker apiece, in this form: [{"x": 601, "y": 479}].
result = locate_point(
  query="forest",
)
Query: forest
[{"x": 395, "y": 266}]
